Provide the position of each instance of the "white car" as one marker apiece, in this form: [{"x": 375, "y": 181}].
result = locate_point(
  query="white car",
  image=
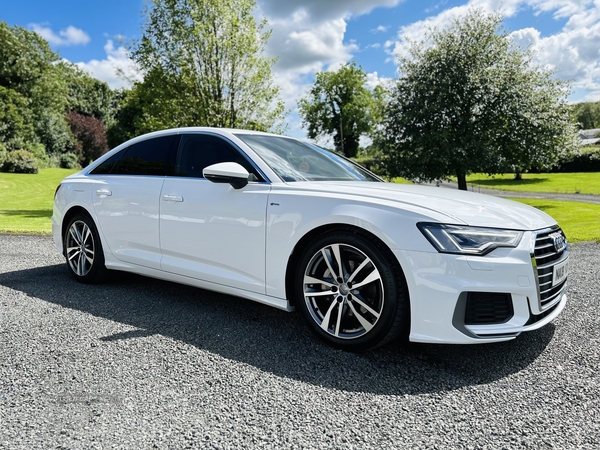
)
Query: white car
[{"x": 287, "y": 224}]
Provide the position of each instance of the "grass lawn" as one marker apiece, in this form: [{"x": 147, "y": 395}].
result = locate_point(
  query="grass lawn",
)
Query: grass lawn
[
  {"x": 580, "y": 221},
  {"x": 569, "y": 183},
  {"x": 26, "y": 206},
  {"x": 26, "y": 200},
  {"x": 400, "y": 180}
]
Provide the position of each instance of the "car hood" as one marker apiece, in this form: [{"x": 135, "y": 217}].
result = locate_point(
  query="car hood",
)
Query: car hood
[{"x": 440, "y": 204}]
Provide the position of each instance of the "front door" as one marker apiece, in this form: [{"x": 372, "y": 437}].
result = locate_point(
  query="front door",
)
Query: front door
[{"x": 210, "y": 231}]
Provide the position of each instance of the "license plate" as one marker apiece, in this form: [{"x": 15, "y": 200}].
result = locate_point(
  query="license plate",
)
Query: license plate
[{"x": 559, "y": 273}]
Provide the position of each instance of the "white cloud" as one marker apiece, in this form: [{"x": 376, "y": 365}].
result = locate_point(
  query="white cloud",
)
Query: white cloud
[
  {"x": 561, "y": 8},
  {"x": 321, "y": 10},
  {"x": 373, "y": 79},
  {"x": 526, "y": 37},
  {"x": 66, "y": 37},
  {"x": 380, "y": 29},
  {"x": 414, "y": 31},
  {"x": 308, "y": 37},
  {"x": 303, "y": 47},
  {"x": 118, "y": 69},
  {"x": 573, "y": 53}
]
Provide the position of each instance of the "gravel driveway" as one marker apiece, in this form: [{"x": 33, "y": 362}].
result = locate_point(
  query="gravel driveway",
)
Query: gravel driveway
[{"x": 139, "y": 363}]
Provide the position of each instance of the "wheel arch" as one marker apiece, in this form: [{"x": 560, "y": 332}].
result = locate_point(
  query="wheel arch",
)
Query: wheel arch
[
  {"x": 67, "y": 216},
  {"x": 296, "y": 254}
]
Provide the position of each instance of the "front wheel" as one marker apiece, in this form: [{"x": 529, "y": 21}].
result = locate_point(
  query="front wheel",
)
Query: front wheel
[
  {"x": 349, "y": 292},
  {"x": 83, "y": 250}
]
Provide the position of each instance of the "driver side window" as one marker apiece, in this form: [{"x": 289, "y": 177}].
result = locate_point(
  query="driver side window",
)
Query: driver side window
[{"x": 197, "y": 151}]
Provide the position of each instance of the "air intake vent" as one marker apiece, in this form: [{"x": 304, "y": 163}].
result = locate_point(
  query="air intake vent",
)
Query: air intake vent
[{"x": 486, "y": 308}]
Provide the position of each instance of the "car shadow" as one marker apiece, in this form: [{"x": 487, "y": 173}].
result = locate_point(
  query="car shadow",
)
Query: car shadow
[{"x": 273, "y": 340}]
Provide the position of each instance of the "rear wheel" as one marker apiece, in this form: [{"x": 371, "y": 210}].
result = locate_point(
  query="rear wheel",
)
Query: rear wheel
[
  {"x": 349, "y": 292},
  {"x": 83, "y": 250}
]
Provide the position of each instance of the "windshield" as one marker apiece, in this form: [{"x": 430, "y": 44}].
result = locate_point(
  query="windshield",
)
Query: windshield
[{"x": 293, "y": 160}]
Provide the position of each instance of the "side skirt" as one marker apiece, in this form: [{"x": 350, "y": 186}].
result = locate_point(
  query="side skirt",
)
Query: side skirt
[{"x": 113, "y": 264}]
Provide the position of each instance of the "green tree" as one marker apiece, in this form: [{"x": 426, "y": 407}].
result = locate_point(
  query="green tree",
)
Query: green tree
[
  {"x": 91, "y": 107},
  {"x": 87, "y": 95},
  {"x": 469, "y": 100},
  {"x": 204, "y": 66},
  {"x": 32, "y": 82},
  {"x": 339, "y": 105},
  {"x": 587, "y": 115},
  {"x": 16, "y": 119},
  {"x": 129, "y": 112}
]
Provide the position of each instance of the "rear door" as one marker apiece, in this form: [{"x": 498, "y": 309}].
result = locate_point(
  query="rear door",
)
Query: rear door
[{"x": 127, "y": 196}]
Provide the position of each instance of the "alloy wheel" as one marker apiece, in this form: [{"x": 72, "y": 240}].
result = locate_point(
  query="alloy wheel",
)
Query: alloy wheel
[
  {"x": 80, "y": 248},
  {"x": 343, "y": 291}
]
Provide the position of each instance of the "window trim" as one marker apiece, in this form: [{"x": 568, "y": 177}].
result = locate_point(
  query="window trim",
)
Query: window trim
[
  {"x": 266, "y": 179},
  {"x": 118, "y": 154}
]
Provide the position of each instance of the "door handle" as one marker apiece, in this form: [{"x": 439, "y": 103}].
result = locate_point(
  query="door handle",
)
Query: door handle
[
  {"x": 172, "y": 198},
  {"x": 103, "y": 192}
]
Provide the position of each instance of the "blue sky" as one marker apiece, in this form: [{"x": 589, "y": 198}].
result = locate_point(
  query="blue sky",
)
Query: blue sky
[{"x": 314, "y": 35}]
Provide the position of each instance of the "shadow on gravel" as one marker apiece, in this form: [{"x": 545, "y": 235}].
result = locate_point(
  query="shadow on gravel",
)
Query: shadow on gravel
[{"x": 273, "y": 340}]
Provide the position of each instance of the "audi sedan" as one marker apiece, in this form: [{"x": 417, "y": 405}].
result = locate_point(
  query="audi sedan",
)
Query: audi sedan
[{"x": 284, "y": 223}]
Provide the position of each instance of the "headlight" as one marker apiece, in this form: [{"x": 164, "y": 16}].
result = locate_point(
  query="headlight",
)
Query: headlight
[{"x": 466, "y": 240}]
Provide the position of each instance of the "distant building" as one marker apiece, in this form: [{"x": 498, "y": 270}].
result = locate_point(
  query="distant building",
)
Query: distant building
[{"x": 589, "y": 137}]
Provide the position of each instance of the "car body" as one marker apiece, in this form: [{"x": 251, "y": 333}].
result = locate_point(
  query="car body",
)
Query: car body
[{"x": 287, "y": 224}]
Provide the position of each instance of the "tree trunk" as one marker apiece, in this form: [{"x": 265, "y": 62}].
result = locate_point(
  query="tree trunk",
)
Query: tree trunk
[
  {"x": 461, "y": 177},
  {"x": 518, "y": 176}
]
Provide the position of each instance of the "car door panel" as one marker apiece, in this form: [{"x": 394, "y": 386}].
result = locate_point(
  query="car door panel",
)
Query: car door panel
[
  {"x": 126, "y": 195},
  {"x": 214, "y": 232},
  {"x": 128, "y": 217}
]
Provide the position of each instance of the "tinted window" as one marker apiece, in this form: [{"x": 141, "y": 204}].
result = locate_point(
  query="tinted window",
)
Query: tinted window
[
  {"x": 107, "y": 166},
  {"x": 198, "y": 151},
  {"x": 149, "y": 157}
]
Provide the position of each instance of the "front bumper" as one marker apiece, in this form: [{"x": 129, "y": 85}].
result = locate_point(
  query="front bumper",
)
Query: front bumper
[{"x": 439, "y": 284}]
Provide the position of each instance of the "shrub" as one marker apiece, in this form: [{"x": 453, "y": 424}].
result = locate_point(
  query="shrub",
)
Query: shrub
[
  {"x": 20, "y": 161},
  {"x": 90, "y": 135},
  {"x": 39, "y": 153},
  {"x": 68, "y": 161},
  {"x": 3, "y": 154},
  {"x": 372, "y": 159},
  {"x": 586, "y": 160}
]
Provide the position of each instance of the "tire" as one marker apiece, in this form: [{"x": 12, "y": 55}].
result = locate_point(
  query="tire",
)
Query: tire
[
  {"x": 83, "y": 250},
  {"x": 362, "y": 307}
]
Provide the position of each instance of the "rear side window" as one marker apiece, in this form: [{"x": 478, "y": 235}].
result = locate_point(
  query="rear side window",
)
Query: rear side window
[
  {"x": 149, "y": 157},
  {"x": 107, "y": 166}
]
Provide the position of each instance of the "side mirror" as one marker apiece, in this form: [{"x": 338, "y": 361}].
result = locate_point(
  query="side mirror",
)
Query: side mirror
[{"x": 227, "y": 172}]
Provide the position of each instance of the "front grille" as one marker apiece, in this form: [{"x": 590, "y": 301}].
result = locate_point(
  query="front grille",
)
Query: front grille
[
  {"x": 546, "y": 257},
  {"x": 533, "y": 318},
  {"x": 486, "y": 308}
]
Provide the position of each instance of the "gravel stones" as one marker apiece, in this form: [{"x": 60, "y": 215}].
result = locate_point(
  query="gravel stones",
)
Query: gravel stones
[{"x": 141, "y": 363}]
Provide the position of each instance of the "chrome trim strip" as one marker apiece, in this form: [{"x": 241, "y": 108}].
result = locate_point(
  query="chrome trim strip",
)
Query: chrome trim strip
[
  {"x": 554, "y": 263},
  {"x": 549, "y": 318},
  {"x": 541, "y": 279}
]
